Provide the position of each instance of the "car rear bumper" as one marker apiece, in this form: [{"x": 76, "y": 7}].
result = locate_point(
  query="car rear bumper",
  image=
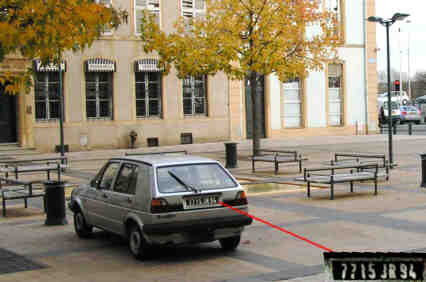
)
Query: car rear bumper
[{"x": 209, "y": 224}]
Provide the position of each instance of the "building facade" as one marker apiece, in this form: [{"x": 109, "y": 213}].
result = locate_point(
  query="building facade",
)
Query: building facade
[{"x": 114, "y": 88}]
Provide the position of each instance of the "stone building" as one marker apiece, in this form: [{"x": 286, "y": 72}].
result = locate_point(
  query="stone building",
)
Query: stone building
[{"x": 113, "y": 88}]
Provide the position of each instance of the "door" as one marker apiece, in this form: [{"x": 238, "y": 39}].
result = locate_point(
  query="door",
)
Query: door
[
  {"x": 260, "y": 109},
  {"x": 98, "y": 197},
  {"x": 122, "y": 196},
  {"x": 7, "y": 117}
]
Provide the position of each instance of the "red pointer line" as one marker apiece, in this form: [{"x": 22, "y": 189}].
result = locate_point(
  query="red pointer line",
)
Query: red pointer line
[{"x": 277, "y": 227}]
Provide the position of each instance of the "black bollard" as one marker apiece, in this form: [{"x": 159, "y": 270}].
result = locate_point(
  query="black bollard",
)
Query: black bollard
[
  {"x": 410, "y": 128},
  {"x": 394, "y": 128},
  {"x": 231, "y": 154},
  {"x": 423, "y": 160},
  {"x": 55, "y": 203}
]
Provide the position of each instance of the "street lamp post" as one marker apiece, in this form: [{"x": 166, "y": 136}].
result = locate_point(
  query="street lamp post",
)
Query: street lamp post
[{"x": 387, "y": 23}]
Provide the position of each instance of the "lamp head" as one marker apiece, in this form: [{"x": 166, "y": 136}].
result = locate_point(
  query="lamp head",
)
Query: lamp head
[
  {"x": 399, "y": 17},
  {"x": 374, "y": 19}
]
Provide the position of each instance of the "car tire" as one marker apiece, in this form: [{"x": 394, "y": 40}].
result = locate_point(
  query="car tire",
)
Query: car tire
[
  {"x": 417, "y": 122},
  {"x": 137, "y": 244},
  {"x": 82, "y": 229},
  {"x": 230, "y": 243}
]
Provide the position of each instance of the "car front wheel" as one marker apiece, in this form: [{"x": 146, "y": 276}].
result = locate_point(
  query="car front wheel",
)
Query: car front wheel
[
  {"x": 81, "y": 228},
  {"x": 231, "y": 243},
  {"x": 137, "y": 245}
]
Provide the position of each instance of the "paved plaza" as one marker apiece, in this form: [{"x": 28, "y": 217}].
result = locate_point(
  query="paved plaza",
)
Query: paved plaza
[{"x": 394, "y": 220}]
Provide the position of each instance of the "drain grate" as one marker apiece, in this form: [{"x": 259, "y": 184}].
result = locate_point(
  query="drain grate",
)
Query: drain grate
[{"x": 11, "y": 262}]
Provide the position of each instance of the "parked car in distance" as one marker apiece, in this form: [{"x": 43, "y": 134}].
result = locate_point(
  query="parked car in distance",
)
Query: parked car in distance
[
  {"x": 410, "y": 114},
  {"x": 396, "y": 113},
  {"x": 162, "y": 199},
  {"x": 400, "y": 97}
]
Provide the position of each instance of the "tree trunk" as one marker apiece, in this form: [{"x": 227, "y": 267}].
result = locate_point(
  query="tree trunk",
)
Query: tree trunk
[{"x": 255, "y": 102}]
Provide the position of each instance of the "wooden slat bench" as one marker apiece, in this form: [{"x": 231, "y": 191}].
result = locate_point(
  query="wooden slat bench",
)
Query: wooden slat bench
[
  {"x": 357, "y": 173},
  {"x": 12, "y": 189},
  {"x": 277, "y": 157}
]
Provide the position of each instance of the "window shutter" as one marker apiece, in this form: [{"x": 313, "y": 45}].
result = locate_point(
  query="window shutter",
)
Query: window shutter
[
  {"x": 193, "y": 8},
  {"x": 153, "y": 6}
]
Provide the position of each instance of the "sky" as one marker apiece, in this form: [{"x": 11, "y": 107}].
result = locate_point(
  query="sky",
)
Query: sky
[{"x": 404, "y": 36}]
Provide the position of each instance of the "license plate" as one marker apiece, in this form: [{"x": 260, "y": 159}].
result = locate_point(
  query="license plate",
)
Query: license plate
[
  {"x": 201, "y": 202},
  {"x": 412, "y": 114},
  {"x": 378, "y": 270}
]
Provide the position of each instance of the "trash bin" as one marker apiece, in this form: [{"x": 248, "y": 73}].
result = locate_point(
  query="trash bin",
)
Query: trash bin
[
  {"x": 231, "y": 154},
  {"x": 54, "y": 201},
  {"x": 423, "y": 160}
]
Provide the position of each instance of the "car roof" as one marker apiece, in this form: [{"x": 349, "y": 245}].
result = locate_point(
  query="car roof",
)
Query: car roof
[{"x": 166, "y": 159}]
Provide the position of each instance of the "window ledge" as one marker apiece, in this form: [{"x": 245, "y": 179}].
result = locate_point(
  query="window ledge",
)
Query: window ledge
[
  {"x": 150, "y": 118},
  {"x": 45, "y": 121},
  {"x": 99, "y": 119},
  {"x": 196, "y": 117}
]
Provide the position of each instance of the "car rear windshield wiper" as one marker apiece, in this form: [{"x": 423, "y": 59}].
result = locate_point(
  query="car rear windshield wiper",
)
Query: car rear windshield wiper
[{"x": 186, "y": 185}]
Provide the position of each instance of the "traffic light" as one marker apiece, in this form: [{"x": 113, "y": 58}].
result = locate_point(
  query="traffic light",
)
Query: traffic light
[{"x": 397, "y": 85}]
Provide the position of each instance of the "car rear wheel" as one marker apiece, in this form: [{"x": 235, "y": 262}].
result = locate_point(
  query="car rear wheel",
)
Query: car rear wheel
[
  {"x": 82, "y": 229},
  {"x": 417, "y": 122},
  {"x": 231, "y": 243},
  {"x": 137, "y": 245}
]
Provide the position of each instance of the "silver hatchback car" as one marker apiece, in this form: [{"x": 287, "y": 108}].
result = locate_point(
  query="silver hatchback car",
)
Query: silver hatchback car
[{"x": 162, "y": 199}]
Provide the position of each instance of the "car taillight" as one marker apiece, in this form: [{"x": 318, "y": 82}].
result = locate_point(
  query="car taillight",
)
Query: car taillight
[
  {"x": 240, "y": 199},
  {"x": 159, "y": 205},
  {"x": 403, "y": 113}
]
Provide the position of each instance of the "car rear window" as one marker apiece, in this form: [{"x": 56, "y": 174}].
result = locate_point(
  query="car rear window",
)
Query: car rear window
[{"x": 200, "y": 176}]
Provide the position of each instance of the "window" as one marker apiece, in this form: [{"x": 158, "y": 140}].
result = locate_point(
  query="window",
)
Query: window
[
  {"x": 46, "y": 92},
  {"x": 335, "y": 6},
  {"x": 148, "y": 94},
  {"x": 171, "y": 179},
  {"x": 195, "y": 95},
  {"x": 292, "y": 104},
  {"x": 108, "y": 176},
  {"x": 153, "y": 7},
  {"x": 107, "y": 3},
  {"x": 127, "y": 179},
  {"x": 193, "y": 8},
  {"x": 335, "y": 94},
  {"x": 99, "y": 95}
]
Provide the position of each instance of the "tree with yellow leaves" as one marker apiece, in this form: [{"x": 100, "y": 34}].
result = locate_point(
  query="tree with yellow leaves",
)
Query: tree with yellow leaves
[
  {"x": 247, "y": 39},
  {"x": 45, "y": 29}
]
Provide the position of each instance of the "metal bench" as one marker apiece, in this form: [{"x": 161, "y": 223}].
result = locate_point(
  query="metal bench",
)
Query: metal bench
[
  {"x": 333, "y": 178},
  {"x": 47, "y": 165},
  {"x": 12, "y": 189},
  {"x": 364, "y": 158},
  {"x": 277, "y": 157},
  {"x": 156, "y": 153}
]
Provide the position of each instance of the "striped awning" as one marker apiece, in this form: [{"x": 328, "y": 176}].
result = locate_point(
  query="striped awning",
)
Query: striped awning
[
  {"x": 38, "y": 67},
  {"x": 99, "y": 65},
  {"x": 148, "y": 65}
]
